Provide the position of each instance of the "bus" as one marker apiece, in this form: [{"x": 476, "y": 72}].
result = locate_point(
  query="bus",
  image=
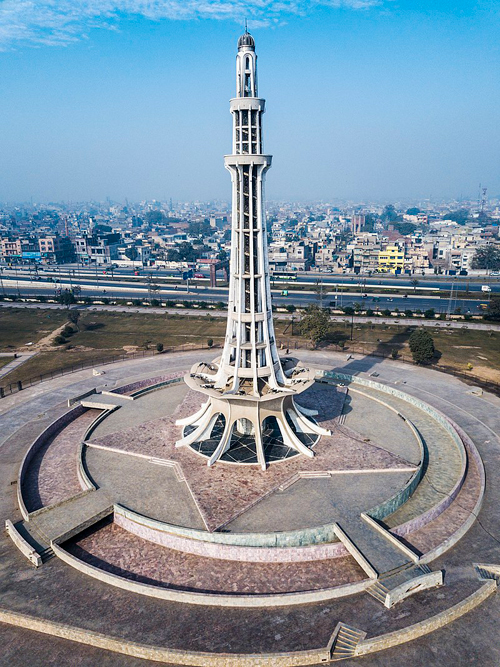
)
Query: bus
[{"x": 284, "y": 275}]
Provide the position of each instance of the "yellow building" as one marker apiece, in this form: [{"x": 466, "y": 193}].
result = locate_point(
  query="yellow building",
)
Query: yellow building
[{"x": 390, "y": 259}]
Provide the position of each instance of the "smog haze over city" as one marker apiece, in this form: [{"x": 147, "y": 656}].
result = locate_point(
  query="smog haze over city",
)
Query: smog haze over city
[{"x": 367, "y": 100}]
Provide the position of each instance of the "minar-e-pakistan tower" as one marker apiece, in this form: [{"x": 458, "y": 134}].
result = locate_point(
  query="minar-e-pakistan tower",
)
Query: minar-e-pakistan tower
[{"x": 249, "y": 384}]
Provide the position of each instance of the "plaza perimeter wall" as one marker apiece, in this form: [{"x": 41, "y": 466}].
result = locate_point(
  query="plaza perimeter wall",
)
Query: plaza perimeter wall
[
  {"x": 279, "y": 659},
  {"x": 39, "y": 442}
]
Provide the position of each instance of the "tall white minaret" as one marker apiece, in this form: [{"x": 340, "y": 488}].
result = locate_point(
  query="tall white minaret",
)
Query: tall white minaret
[
  {"x": 248, "y": 383},
  {"x": 250, "y": 356}
]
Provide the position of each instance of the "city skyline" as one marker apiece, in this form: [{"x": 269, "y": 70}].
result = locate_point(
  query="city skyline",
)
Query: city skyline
[{"x": 397, "y": 101}]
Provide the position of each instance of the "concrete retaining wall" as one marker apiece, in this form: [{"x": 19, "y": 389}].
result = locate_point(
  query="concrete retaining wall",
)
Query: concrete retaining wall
[
  {"x": 81, "y": 472},
  {"x": 42, "y": 439},
  {"x": 287, "y": 539},
  {"x": 141, "y": 526},
  {"x": 160, "y": 654},
  {"x": 23, "y": 546},
  {"x": 428, "y": 625},
  {"x": 458, "y": 534},
  {"x": 279, "y": 659},
  {"x": 147, "y": 383}
]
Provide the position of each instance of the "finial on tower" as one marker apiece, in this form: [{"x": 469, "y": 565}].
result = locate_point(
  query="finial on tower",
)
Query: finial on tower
[{"x": 246, "y": 40}]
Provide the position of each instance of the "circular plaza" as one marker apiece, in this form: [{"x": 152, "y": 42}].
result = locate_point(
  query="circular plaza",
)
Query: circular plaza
[{"x": 122, "y": 542}]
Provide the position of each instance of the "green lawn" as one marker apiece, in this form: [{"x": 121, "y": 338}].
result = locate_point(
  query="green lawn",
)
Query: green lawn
[
  {"x": 103, "y": 335},
  {"x": 455, "y": 347},
  {"x": 19, "y": 326},
  {"x": 5, "y": 360}
]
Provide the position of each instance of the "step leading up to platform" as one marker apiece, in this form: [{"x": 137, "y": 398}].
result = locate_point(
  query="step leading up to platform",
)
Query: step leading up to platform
[
  {"x": 105, "y": 401},
  {"x": 67, "y": 518},
  {"x": 344, "y": 643},
  {"x": 395, "y": 587}
]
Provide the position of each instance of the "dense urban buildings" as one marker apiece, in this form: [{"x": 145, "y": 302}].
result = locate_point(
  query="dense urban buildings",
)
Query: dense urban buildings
[{"x": 427, "y": 239}]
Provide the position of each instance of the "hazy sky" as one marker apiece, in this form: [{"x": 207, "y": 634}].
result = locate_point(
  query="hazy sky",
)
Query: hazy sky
[{"x": 366, "y": 99}]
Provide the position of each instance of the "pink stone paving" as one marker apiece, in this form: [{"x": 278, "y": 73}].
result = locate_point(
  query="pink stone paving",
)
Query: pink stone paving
[
  {"x": 220, "y": 494},
  {"x": 52, "y": 472},
  {"x": 148, "y": 382},
  {"x": 118, "y": 551}
]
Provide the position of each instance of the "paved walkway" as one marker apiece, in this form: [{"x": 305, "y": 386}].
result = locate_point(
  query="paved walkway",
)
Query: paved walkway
[{"x": 15, "y": 363}]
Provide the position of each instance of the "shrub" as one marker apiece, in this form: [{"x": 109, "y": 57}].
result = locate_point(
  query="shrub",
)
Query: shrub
[
  {"x": 59, "y": 340},
  {"x": 210, "y": 342},
  {"x": 159, "y": 347},
  {"x": 394, "y": 353}
]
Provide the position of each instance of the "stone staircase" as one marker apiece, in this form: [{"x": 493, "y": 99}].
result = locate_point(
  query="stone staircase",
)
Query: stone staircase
[
  {"x": 488, "y": 571},
  {"x": 46, "y": 554},
  {"x": 378, "y": 591},
  {"x": 382, "y": 588},
  {"x": 345, "y": 642}
]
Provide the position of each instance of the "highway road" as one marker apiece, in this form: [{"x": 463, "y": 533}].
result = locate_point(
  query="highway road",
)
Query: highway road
[
  {"x": 427, "y": 283},
  {"x": 104, "y": 287}
]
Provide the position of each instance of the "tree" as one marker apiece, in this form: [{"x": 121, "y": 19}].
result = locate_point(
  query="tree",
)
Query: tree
[
  {"x": 487, "y": 258},
  {"x": 200, "y": 228},
  {"x": 172, "y": 255},
  {"x": 413, "y": 211},
  {"x": 421, "y": 346},
  {"x": 315, "y": 324},
  {"x": 493, "y": 310},
  {"x": 131, "y": 253},
  {"x": 210, "y": 342},
  {"x": 370, "y": 221},
  {"x": 405, "y": 228},
  {"x": 155, "y": 218},
  {"x": 414, "y": 283},
  {"x": 73, "y": 317},
  {"x": 389, "y": 214},
  {"x": 291, "y": 308},
  {"x": 460, "y": 217},
  {"x": 66, "y": 298},
  {"x": 222, "y": 255},
  {"x": 429, "y": 314},
  {"x": 159, "y": 347}
]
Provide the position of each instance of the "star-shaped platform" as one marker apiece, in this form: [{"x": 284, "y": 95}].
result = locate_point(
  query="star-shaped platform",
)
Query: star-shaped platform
[{"x": 225, "y": 491}]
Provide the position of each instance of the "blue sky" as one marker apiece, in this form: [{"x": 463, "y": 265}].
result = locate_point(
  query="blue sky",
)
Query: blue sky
[{"x": 366, "y": 100}]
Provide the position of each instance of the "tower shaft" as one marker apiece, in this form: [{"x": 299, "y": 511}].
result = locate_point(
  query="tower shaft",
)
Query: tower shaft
[{"x": 250, "y": 360}]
